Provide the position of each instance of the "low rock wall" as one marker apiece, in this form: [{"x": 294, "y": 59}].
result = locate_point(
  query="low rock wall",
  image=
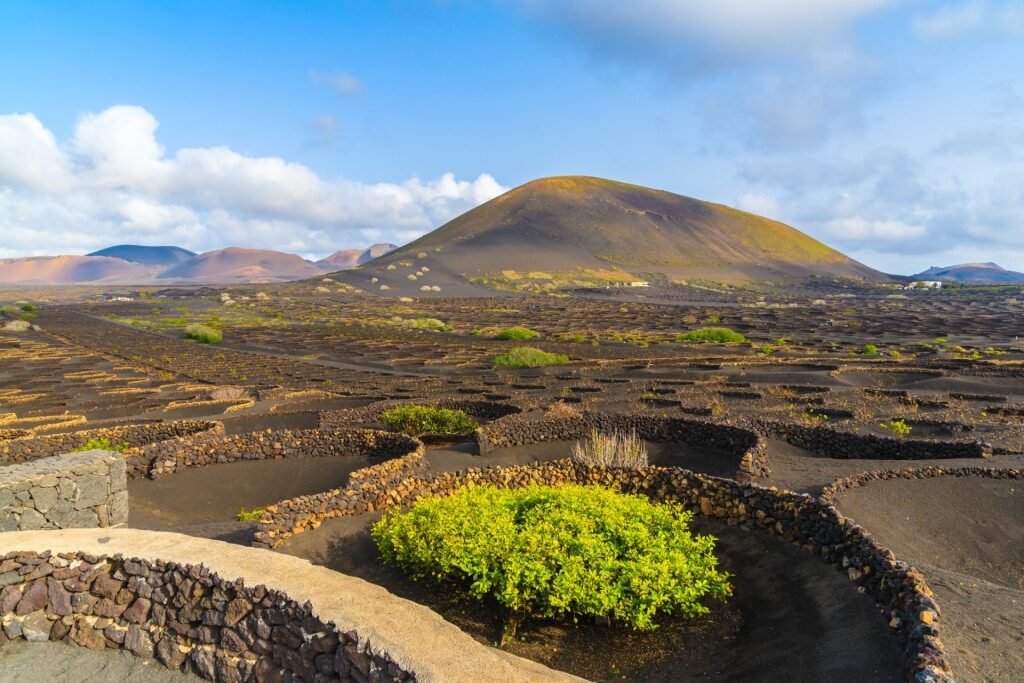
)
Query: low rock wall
[
  {"x": 746, "y": 445},
  {"x": 165, "y": 457},
  {"x": 798, "y": 518},
  {"x": 26, "y": 448},
  {"x": 829, "y": 493},
  {"x": 87, "y": 489},
  {"x": 833, "y": 443}
]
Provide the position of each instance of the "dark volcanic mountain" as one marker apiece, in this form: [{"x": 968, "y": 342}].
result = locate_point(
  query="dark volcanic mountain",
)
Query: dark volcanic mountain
[
  {"x": 562, "y": 227},
  {"x": 971, "y": 272},
  {"x": 149, "y": 256}
]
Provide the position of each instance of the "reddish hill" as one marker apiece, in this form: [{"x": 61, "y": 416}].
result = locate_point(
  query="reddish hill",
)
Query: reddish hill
[
  {"x": 235, "y": 264},
  {"x": 66, "y": 270},
  {"x": 350, "y": 258}
]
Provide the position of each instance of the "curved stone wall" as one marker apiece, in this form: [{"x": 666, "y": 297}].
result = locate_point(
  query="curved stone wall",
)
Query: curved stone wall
[
  {"x": 231, "y": 614},
  {"x": 25, "y": 448},
  {"x": 829, "y": 493},
  {"x": 833, "y": 443},
  {"x": 809, "y": 522},
  {"x": 748, "y": 447}
]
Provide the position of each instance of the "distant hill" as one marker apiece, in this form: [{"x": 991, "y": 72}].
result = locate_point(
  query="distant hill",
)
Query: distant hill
[
  {"x": 150, "y": 256},
  {"x": 350, "y": 258},
  {"x": 66, "y": 270},
  {"x": 576, "y": 229},
  {"x": 236, "y": 265},
  {"x": 971, "y": 272}
]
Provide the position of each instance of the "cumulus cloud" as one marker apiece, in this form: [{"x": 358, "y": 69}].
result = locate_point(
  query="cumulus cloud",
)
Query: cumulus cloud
[
  {"x": 340, "y": 81},
  {"x": 969, "y": 17},
  {"x": 113, "y": 182},
  {"x": 897, "y": 211}
]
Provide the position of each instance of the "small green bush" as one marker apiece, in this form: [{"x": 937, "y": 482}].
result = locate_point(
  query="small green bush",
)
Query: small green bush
[
  {"x": 428, "y": 324},
  {"x": 568, "y": 551},
  {"x": 249, "y": 515},
  {"x": 868, "y": 350},
  {"x": 528, "y": 357},
  {"x": 718, "y": 335},
  {"x": 899, "y": 428},
  {"x": 102, "y": 443},
  {"x": 204, "y": 334},
  {"x": 416, "y": 420},
  {"x": 517, "y": 334}
]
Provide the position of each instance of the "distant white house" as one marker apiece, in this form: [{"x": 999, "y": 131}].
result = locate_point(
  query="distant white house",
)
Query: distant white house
[{"x": 924, "y": 284}]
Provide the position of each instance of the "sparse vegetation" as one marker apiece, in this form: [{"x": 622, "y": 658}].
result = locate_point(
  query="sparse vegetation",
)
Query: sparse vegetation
[
  {"x": 899, "y": 428},
  {"x": 561, "y": 409},
  {"x": 102, "y": 443},
  {"x": 249, "y": 515},
  {"x": 204, "y": 334},
  {"x": 717, "y": 335},
  {"x": 517, "y": 334},
  {"x": 559, "y": 552},
  {"x": 417, "y": 420},
  {"x": 428, "y": 324},
  {"x": 619, "y": 449},
  {"x": 528, "y": 357},
  {"x": 868, "y": 350}
]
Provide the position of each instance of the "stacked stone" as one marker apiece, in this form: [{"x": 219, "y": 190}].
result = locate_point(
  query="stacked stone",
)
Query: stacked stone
[
  {"x": 213, "y": 447},
  {"x": 829, "y": 493},
  {"x": 748, "y": 447},
  {"x": 87, "y": 489},
  {"x": 833, "y": 443},
  {"x": 25, "y": 448},
  {"x": 185, "y": 617}
]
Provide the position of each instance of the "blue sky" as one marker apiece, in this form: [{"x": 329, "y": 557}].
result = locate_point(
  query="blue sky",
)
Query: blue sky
[{"x": 891, "y": 129}]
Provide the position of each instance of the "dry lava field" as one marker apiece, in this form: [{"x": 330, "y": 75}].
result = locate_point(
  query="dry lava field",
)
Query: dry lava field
[{"x": 857, "y": 452}]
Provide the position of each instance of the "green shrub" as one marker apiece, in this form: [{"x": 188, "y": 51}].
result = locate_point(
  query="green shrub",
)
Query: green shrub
[
  {"x": 204, "y": 334},
  {"x": 569, "y": 551},
  {"x": 249, "y": 515},
  {"x": 428, "y": 324},
  {"x": 868, "y": 350},
  {"x": 528, "y": 357},
  {"x": 417, "y": 420},
  {"x": 899, "y": 428},
  {"x": 718, "y": 335},
  {"x": 102, "y": 443},
  {"x": 517, "y": 334}
]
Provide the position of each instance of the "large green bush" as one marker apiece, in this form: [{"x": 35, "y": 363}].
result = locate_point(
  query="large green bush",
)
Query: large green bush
[
  {"x": 204, "y": 334},
  {"x": 517, "y": 334},
  {"x": 417, "y": 420},
  {"x": 719, "y": 335},
  {"x": 528, "y": 357},
  {"x": 569, "y": 551},
  {"x": 102, "y": 443}
]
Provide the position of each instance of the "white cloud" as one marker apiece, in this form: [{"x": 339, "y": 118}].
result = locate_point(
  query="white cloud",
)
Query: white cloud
[
  {"x": 972, "y": 17},
  {"x": 339, "y": 81},
  {"x": 113, "y": 182},
  {"x": 706, "y": 31}
]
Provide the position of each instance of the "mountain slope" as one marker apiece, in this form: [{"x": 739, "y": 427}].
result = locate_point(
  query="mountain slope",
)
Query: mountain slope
[
  {"x": 573, "y": 224},
  {"x": 350, "y": 258},
  {"x": 235, "y": 265},
  {"x": 971, "y": 272},
  {"x": 149, "y": 256},
  {"x": 65, "y": 270}
]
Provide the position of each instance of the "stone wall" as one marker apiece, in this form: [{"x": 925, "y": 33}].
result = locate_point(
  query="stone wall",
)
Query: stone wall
[
  {"x": 25, "y": 448},
  {"x": 829, "y": 493},
  {"x": 164, "y": 457},
  {"x": 185, "y": 617},
  {"x": 87, "y": 489},
  {"x": 832, "y": 443},
  {"x": 813, "y": 524},
  {"x": 747, "y": 447}
]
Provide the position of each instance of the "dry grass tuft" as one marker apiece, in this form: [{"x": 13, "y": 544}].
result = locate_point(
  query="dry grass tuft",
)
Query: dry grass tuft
[{"x": 618, "y": 449}]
